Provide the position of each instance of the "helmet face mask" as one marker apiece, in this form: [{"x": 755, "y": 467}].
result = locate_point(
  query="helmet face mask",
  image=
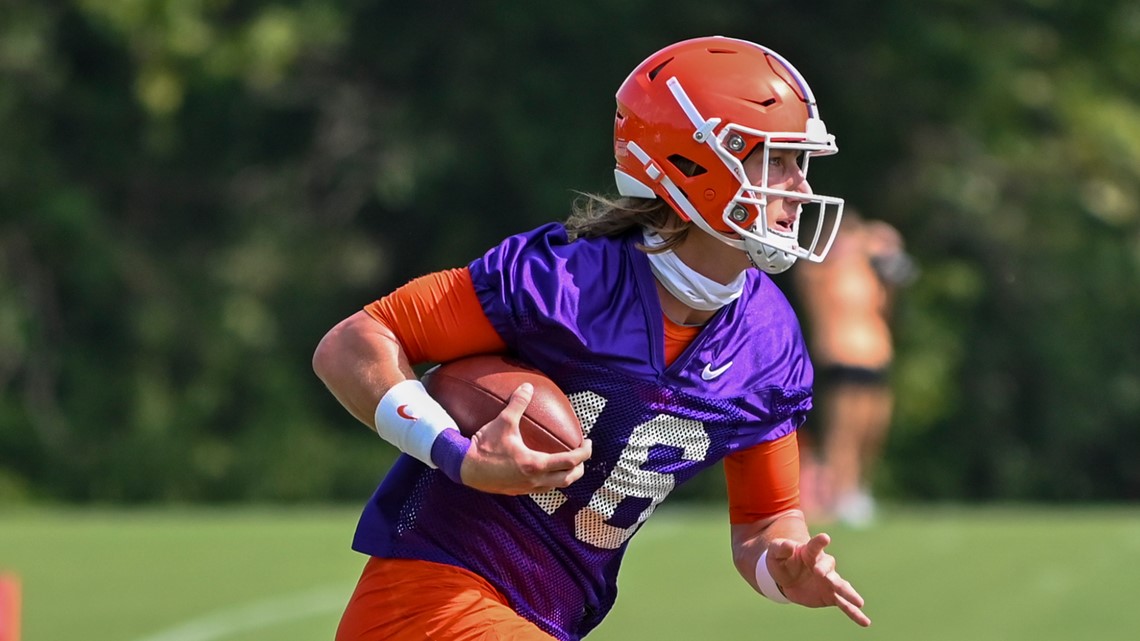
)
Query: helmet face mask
[
  {"x": 688, "y": 118},
  {"x": 775, "y": 250}
]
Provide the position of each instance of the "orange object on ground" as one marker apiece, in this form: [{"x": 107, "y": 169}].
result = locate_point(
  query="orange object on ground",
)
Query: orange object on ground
[{"x": 9, "y": 607}]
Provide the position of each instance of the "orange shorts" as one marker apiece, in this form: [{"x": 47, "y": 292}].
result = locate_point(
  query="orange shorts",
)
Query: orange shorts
[{"x": 401, "y": 599}]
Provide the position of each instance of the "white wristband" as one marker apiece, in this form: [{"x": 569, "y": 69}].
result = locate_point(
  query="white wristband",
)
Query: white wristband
[
  {"x": 409, "y": 418},
  {"x": 766, "y": 583}
]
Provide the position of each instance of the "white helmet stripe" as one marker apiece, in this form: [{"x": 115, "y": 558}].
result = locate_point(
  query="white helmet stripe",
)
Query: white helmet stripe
[
  {"x": 703, "y": 127},
  {"x": 678, "y": 197}
]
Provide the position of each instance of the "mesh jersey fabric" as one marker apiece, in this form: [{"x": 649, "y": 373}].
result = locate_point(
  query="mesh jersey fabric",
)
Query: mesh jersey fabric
[{"x": 587, "y": 313}]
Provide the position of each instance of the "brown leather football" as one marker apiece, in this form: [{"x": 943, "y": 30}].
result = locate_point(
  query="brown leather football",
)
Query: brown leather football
[{"x": 475, "y": 389}]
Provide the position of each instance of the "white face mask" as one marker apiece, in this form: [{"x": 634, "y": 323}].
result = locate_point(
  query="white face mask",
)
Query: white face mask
[{"x": 691, "y": 288}]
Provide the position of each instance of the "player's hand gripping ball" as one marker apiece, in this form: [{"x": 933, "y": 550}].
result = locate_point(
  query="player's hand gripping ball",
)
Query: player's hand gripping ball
[{"x": 475, "y": 389}]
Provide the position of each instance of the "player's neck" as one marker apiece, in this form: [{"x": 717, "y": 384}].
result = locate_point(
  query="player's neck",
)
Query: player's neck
[
  {"x": 712, "y": 258},
  {"x": 696, "y": 277},
  {"x": 680, "y": 313}
]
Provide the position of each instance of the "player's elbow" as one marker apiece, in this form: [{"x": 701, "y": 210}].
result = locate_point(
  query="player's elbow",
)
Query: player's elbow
[
  {"x": 351, "y": 343},
  {"x": 324, "y": 355},
  {"x": 329, "y": 355}
]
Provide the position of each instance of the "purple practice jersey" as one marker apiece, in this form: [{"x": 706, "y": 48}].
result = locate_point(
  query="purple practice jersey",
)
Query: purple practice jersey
[{"x": 587, "y": 314}]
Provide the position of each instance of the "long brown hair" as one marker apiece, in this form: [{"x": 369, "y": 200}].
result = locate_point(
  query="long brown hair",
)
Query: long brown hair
[{"x": 593, "y": 216}]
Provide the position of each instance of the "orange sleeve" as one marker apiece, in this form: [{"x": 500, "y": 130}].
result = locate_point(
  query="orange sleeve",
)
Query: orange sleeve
[
  {"x": 763, "y": 480},
  {"x": 438, "y": 318}
]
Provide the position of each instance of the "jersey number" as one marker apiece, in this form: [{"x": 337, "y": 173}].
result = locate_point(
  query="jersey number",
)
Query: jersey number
[{"x": 627, "y": 479}]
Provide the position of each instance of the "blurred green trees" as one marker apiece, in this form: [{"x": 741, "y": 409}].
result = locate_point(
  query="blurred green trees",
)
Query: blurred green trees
[{"x": 193, "y": 191}]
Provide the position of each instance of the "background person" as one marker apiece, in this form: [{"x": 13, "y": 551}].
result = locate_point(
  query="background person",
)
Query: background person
[
  {"x": 649, "y": 311},
  {"x": 847, "y": 300}
]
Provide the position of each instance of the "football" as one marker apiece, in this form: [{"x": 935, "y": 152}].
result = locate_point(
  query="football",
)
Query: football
[{"x": 475, "y": 389}]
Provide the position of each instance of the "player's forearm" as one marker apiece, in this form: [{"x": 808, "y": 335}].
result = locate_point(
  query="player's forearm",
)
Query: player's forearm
[
  {"x": 359, "y": 360},
  {"x": 750, "y": 540}
]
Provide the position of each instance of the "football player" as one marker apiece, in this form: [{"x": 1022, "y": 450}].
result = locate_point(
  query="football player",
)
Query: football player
[{"x": 653, "y": 311}]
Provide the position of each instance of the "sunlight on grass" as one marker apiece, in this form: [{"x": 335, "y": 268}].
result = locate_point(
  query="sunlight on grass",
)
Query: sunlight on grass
[{"x": 284, "y": 574}]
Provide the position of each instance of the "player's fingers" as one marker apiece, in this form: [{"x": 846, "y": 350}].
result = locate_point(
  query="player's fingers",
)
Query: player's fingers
[
  {"x": 573, "y": 475},
  {"x": 853, "y": 612},
  {"x": 518, "y": 403},
  {"x": 561, "y": 478},
  {"x": 581, "y": 453},
  {"x": 781, "y": 549},
  {"x": 814, "y": 547},
  {"x": 568, "y": 460},
  {"x": 824, "y": 566},
  {"x": 843, "y": 589},
  {"x": 561, "y": 463}
]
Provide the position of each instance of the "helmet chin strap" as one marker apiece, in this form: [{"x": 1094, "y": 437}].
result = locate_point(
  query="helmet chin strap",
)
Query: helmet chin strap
[{"x": 769, "y": 259}]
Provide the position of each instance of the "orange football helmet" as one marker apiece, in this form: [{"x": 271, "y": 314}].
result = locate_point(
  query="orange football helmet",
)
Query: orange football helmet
[{"x": 689, "y": 115}]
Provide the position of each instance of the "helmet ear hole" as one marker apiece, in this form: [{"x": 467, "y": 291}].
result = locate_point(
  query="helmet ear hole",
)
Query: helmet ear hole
[{"x": 687, "y": 167}]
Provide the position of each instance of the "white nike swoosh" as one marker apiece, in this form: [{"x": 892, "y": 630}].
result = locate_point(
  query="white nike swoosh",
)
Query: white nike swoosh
[{"x": 709, "y": 373}]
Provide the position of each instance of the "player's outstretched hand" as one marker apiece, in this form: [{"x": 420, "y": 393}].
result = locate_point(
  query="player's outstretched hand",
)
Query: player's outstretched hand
[
  {"x": 806, "y": 574},
  {"x": 499, "y": 462}
]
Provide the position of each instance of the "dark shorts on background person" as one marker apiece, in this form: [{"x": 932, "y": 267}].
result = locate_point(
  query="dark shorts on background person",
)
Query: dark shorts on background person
[{"x": 830, "y": 376}]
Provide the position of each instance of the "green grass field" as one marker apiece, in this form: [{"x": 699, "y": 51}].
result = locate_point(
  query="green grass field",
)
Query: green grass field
[{"x": 284, "y": 575}]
